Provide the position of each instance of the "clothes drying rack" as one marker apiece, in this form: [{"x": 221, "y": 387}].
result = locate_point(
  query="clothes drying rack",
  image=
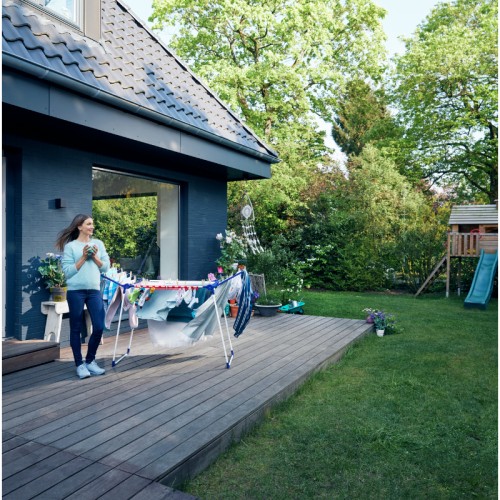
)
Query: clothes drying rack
[{"x": 160, "y": 285}]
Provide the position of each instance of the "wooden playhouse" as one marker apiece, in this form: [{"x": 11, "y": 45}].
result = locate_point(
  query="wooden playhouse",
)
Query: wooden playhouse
[{"x": 473, "y": 228}]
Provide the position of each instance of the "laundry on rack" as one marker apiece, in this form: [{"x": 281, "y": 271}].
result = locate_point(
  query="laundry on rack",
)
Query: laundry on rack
[
  {"x": 176, "y": 323},
  {"x": 245, "y": 305},
  {"x": 166, "y": 329},
  {"x": 109, "y": 287},
  {"x": 121, "y": 295},
  {"x": 159, "y": 305},
  {"x": 235, "y": 286}
]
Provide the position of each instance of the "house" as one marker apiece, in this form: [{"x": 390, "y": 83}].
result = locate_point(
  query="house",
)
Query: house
[
  {"x": 472, "y": 229},
  {"x": 95, "y": 107}
]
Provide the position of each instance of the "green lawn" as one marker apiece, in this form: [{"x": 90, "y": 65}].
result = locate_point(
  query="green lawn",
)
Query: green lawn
[{"x": 406, "y": 416}]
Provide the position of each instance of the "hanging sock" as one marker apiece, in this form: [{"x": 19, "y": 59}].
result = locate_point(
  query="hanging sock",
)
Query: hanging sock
[{"x": 245, "y": 305}]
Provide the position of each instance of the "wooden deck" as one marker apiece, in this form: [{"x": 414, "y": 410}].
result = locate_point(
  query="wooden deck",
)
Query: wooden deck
[{"x": 157, "y": 417}]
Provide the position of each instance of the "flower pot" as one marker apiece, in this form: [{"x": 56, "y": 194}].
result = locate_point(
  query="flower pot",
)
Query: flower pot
[
  {"x": 58, "y": 294},
  {"x": 268, "y": 311},
  {"x": 380, "y": 333},
  {"x": 234, "y": 310}
]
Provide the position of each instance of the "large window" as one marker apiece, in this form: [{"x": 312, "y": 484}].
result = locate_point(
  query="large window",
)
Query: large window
[{"x": 138, "y": 221}]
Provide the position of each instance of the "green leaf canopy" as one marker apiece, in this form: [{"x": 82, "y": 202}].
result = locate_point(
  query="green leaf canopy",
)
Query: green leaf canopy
[{"x": 446, "y": 91}]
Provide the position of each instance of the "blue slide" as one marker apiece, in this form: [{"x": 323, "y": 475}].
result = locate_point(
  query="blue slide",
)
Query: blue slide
[{"x": 482, "y": 284}]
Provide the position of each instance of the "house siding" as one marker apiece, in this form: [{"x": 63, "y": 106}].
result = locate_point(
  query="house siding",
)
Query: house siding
[{"x": 50, "y": 171}]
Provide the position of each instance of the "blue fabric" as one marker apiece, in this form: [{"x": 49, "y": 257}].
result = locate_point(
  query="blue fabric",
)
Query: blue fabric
[
  {"x": 171, "y": 334},
  {"x": 245, "y": 305},
  {"x": 95, "y": 307},
  {"x": 159, "y": 305},
  {"x": 183, "y": 311}
]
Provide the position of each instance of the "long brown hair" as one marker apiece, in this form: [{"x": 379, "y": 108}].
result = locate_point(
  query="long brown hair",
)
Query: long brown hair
[{"x": 71, "y": 232}]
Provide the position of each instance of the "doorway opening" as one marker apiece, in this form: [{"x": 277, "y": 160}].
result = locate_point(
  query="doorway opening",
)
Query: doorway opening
[{"x": 137, "y": 218}]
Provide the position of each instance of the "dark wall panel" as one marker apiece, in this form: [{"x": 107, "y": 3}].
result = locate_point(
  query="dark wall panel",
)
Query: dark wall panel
[{"x": 50, "y": 171}]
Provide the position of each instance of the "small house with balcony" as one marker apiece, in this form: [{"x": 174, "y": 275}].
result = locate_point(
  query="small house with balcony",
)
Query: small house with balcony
[{"x": 473, "y": 228}]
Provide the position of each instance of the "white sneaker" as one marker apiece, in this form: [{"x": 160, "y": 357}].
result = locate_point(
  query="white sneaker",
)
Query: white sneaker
[
  {"x": 82, "y": 371},
  {"x": 94, "y": 369}
]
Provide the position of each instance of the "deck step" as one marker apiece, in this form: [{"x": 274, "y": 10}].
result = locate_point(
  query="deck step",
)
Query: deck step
[{"x": 20, "y": 354}]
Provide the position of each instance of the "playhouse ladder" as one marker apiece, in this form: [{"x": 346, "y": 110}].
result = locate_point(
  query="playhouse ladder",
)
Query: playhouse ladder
[{"x": 431, "y": 276}]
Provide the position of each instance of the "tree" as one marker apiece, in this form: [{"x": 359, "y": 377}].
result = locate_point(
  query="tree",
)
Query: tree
[
  {"x": 446, "y": 93},
  {"x": 392, "y": 220},
  {"x": 362, "y": 117},
  {"x": 279, "y": 65},
  {"x": 274, "y": 62}
]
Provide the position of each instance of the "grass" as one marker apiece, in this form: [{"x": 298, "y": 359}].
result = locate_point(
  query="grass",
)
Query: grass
[{"x": 412, "y": 415}]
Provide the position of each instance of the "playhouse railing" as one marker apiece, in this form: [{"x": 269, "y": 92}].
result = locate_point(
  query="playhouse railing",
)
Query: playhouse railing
[{"x": 471, "y": 244}]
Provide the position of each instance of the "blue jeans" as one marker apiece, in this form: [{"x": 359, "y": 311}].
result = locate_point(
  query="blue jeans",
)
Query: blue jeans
[{"x": 95, "y": 307}]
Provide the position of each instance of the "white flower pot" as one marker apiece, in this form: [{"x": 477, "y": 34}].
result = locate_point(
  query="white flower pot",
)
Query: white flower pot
[{"x": 380, "y": 333}]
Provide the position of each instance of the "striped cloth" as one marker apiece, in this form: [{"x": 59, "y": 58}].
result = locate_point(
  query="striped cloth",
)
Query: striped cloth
[{"x": 245, "y": 305}]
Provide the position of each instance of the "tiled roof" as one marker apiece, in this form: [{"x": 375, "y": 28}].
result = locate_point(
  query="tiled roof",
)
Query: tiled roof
[
  {"x": 129, "y": 63},
  {"x": 474, "y": 214}
]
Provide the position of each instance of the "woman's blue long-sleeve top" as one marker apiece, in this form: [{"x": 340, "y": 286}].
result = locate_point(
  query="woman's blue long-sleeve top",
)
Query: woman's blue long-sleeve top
[{"x": 88, "y": 277}]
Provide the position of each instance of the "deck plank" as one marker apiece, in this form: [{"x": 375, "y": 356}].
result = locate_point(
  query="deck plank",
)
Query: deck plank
[
  {"x": 160, "y": 414},
  {"x": 35, "y": 470}
]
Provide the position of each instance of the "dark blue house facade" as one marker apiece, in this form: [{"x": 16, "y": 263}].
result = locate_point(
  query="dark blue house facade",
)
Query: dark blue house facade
[{"x": 96, "y": 108}]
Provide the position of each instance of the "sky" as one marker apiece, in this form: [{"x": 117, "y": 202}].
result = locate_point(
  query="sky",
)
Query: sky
[{"x": 402, "y": 17}]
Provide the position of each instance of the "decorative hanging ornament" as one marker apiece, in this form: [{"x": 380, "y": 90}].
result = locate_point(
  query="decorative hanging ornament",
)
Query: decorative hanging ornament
[
  {"x": 248, "y": 226},
  {"x": 247, "y": 211}
]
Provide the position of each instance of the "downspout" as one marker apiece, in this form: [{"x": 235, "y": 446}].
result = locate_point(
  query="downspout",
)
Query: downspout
[{"x": 43, "y": 73}]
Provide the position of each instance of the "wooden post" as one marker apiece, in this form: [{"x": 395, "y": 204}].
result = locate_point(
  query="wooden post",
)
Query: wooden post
[
  {"x": 459, "y": 275},
  {"x": 448, "y": 267}
]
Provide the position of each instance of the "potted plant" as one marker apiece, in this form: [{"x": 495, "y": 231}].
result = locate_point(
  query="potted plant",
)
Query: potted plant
[
  {"x": 291, "y": 283},
  {"x": 232, "y": 251},
  {"x": 381, "y": 321},
  {"x": 234, "y": 308},
  {"x": 267, "y": 304},
  {"x": 51, "y": 273},
  {"x": 369, "y": 312}
]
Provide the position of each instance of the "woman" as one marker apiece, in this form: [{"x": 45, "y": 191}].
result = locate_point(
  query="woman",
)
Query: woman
[{"x": 83, "y": 261}]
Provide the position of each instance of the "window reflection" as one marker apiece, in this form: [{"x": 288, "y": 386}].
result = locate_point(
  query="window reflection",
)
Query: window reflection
[
  {"x": 136, "y": 217},
  {"x": 67, "y": 9}
]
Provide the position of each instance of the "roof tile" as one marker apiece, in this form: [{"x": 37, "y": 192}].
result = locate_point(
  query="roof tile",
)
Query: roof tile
[{"x": 129, "y": 62}]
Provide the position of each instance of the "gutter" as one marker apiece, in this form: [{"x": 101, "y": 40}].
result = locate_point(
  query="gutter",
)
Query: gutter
[{"x": 80, "y": 87}]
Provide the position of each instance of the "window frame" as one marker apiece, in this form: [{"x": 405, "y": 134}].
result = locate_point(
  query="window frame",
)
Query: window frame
[{"x": 89, "y": 22}]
